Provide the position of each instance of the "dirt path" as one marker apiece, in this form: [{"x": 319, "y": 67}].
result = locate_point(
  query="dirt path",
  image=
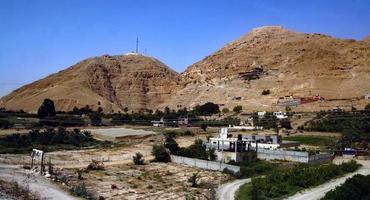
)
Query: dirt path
[
  {"x": 227, "y": 191},
  {"x": 36, "y": 183},
  {"x": 320, "y": 191}
]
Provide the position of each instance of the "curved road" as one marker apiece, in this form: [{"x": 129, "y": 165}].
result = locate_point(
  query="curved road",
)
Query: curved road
[
  {"x": 36, "y": 183},
  {"x": 227, "y": 191},
  {"x": 320, "y": 191}
]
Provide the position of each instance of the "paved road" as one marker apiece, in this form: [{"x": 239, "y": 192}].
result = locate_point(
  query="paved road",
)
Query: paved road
[
  {"x": 227, "y": 191},
  {"x": 36, "y": 183},
  {"x": 320, "y": 191}
]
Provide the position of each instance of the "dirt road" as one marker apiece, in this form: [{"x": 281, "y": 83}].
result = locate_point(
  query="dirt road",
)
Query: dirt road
[
  {"x": 320, "y": 191},
  {"x": 227, "y": 191},
  {"x": 36, "y": 183}
]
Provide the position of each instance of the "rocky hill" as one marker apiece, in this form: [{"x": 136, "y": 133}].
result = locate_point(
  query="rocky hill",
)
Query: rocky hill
[
  {"x": 112, "y": 82},
  {"x": 284, "y": 62},
  {"x": 267, "y": 58}
]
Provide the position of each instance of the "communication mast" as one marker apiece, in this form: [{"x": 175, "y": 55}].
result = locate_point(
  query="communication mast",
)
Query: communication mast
[{"x": 137, "y": 45}]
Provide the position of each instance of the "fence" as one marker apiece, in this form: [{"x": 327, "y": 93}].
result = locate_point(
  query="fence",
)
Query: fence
[
  {"x": 296, "y": 156},
  {"x": 204, "y": 164}
]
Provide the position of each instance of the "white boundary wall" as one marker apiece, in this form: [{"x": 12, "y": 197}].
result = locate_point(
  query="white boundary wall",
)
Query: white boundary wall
[
  {"x": 296, "y": 156},
  {"x": 204, "y": 164}
]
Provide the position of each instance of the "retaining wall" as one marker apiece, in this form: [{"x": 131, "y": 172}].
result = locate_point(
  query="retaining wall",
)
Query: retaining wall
[{"x": 204, "y": 164}]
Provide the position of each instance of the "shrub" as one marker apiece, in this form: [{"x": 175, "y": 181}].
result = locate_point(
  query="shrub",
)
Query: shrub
[
  {"x": 266, "y": 92},
  {"x": 225, "y": 110},
  {"x": 171, "y": 144},
  {"x": 193, "y": 179},
  {"x": 5, "y": 124},
  {"x": 160, "y": 153},
  {"x": 207, "y": 109},
  {"x": 81, "y": 191},
  {"x": 356, "y": 187},
  {"x": 95, "y": 165},
  {"x": 138, "y": 159},
  {"x": 203, "y": 126},
  {"x": 238, "y": 108}
]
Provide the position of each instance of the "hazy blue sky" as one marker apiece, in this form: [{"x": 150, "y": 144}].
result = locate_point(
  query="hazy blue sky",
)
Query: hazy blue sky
[{"x": 42, "y": 37}]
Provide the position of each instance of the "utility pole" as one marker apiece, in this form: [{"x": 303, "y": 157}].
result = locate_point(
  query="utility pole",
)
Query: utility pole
[{"x": 137, "y": 45}]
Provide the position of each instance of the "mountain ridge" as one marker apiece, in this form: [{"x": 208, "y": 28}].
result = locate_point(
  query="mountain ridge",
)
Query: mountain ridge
[{"x": 293, "y": 63}]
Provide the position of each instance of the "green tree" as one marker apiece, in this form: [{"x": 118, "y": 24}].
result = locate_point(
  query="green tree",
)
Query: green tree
[
  {"x": 171, "y": 144},
  {"x": 47, "y": 109},
  {"x": 203, "y": 126},
  {"x": 208, "y": 108},
  {"x": 160, "y": 153},
  {"x": 95, "y": 119}
]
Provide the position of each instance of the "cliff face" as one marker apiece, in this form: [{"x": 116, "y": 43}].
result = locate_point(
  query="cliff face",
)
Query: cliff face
[
  {"x": 113, "y": 82},
  {"x": 267, "y": 58}
]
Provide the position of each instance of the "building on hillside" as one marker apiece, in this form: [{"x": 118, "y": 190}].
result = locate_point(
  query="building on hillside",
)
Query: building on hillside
[
  {"x": 280, "y": 115},
  {"x": 160, "y": 123},
  {"x": 183, "y": 122},
  {"x": 367, "y": 96}
]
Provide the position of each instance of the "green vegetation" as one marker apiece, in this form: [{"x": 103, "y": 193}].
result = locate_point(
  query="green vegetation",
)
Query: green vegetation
[
  {"x": 285, "y": 182},
  {"x": 238, "y": 109},
  {"x": 357, "y": 187},
  {"x": 193, "y": 179},
  {"x": 208, "y": 108},
  {"x": 225, "y": 110},
  {"x": 160, "y": 153},
  {"x": 354, "y": 125},
  {"x": 314, "y": 140},
  {"x": 15, "y": 191},
  {"x": 138, "y": 159},
  {"x": 81, "y": 191},
  {"x": 47, "y": 140},
  {"x": 47, "y": 109},
  {"x": 197, "y": 150},
  {"x": 266, "y": 92},
  {"x": 5, "y": 124},
  {"x": 269, "y": 121}
]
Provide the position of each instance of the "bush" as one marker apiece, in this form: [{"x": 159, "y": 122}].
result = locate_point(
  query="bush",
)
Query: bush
[
  {"x": 160, "y": 153},
  {"x": 207, "y": 109},
  {"x": 95, "y": 165},
  {"x": 193, "y": 179},
  {"x": 289, "y": 181},
  {"x": 81, "y": 191},
  {"x": 265, "y": 92},
  {"x": 203, "y": 126},
  {"x": 171, "y": 144},
  {"x": 356, "y": 187},
  {"x": 138, "y": 159},
  {"x": 225, "y": 110},
  {"x": 238, "y": 108},
  {"x": 5, "y": 124}
]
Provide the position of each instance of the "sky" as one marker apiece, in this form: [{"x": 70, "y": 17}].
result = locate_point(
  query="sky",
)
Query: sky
[{"x": 41, "y": 37}]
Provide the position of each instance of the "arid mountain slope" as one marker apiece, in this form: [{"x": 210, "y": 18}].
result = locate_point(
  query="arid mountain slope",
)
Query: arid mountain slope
[
  {"x": 293, "y": 63},
  {"x": 286, "y": 62},
  {"x": 114, "y": 82}
]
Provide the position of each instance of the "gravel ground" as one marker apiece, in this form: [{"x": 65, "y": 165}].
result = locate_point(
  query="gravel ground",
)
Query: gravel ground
[
  {"x": 37, "y": 184},
  {"x": 4, "y": 197}
]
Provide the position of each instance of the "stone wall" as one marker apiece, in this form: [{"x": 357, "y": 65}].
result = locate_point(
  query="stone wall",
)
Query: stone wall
[{"x": 204, "y": 164}]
